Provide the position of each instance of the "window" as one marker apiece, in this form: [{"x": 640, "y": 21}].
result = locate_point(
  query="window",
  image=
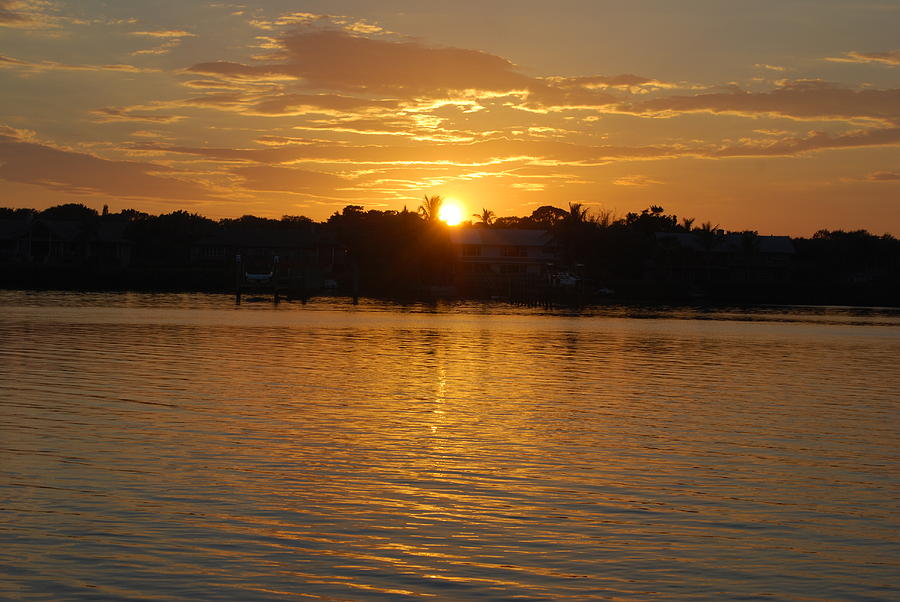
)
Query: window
[
  {"x": 471, "y": 251},
  {"x": 514, "y": 252}
]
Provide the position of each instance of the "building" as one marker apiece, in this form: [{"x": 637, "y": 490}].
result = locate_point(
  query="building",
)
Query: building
[
  {"x": 65, "y": 242},
  {"x": 291, "y": 256},
  {"x": 498, "y": 260},
  {"x": 741, "y": 257}
]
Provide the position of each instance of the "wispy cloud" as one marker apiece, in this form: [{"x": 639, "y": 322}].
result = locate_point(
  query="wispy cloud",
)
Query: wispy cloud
[
  {"x": 339, "y": 61},
  {"x": 891, "y": 57},
  {"x": 172, "y": 39},
  {"x": 13, "y": 63},
  {"x": 635, "y": 181},
  {"x": 28, "y": 14},
  {"x": 110, "y": 114},
  {"x": 797, "y": 99},
  {"x": 286, "y": 179},
  {"x": 884, "y": 176},
  {"x": 813, "y": 142},
  {"x": 26, "y": 160}
]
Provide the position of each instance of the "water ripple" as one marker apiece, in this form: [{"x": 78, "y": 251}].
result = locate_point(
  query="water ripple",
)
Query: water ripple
[{"x": 167, "y": 447}]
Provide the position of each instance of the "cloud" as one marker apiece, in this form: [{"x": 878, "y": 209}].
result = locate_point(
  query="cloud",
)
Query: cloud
[
  {"x": 349, "y": 24},
  {"x": 111, "y": 114},
  {"x": 813, "y": 142},
  {"x": 239, "y": 71},
  {"x": 635, "y": 181},
  {"x": 27, "y": 14},
  {"x": 337, "y": 60},
  {"x": 884, "y": 176},
  {"x": 285, "y": 179},
  {"x": 298, "y": 104},
  {"x": 8, "y": 15},
  {"x": 480, "y": 153},
  {"x": 25, "y": 160},
  {"x": 626, "y": 81},
  {"x": 164, "y": 33},
  {"x": 767, "y": 67},
  {"x": 529, "y": 186},
  {"x": 13, "y": 63},
  {"x": 347, "y": 64},
  {"x": 172, "y": 39},
  {"x": 891, "y": 57},
  {"x": 800, "y": 100},
  {"x": 526, "y": 151}
]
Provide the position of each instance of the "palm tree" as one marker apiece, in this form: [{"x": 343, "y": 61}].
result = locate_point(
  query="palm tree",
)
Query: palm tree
[
  {"x": 708, "y": 235},
  {"x": 430, "y": 208},
  {"x": 486, "y": 216},
  {"x": 687, "y": 223},
  {"x": 604, "y": 218},
  {"x": 571, "y": 232},
  {"x": 578, "y": 214}
]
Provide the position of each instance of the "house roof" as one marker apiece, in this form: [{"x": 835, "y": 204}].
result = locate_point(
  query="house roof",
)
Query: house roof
[
  {"x": 70, "y": 230},
  {"x": 500, "y": 237},
  {"x": 262, "y": 238},
  {"x": 729, "y": 243},
  {"x": 65, "y": 229}
]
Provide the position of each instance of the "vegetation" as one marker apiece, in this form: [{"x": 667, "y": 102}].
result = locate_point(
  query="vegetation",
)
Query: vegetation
[{"x": 397, "y": 252}]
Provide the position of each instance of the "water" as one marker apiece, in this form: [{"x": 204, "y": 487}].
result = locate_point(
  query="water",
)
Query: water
[{"x": 176, "y": 446}]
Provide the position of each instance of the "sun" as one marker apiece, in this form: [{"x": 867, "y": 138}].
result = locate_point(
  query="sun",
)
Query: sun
[{"x": 451, "y": 212}]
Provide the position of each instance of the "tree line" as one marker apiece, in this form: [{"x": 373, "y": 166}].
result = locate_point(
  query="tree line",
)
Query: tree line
[{"x": 396, "y": 250}]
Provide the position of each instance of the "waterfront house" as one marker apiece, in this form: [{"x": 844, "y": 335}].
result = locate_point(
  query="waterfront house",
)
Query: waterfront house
[
  {"x": 64, "y": 242},
  {"x": 717, "y": 256},
  {"x": 289, "y": 254},
  {"x": 496, "y": 259}
]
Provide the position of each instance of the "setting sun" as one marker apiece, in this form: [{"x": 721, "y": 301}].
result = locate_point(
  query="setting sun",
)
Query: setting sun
[{"x": 451, "y": 212}]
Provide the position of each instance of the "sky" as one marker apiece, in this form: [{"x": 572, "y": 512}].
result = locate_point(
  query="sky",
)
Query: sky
[{"x": 776, "y": 116}]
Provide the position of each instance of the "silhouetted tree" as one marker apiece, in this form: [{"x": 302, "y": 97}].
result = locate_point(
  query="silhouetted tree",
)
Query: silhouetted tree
[
  {"x": 166, "y": 239},
  {"x": 8, "y": 213},
  {"x": 512, "y": 222},
  {"x": 547, "y": 216},
  {"x": 486, "y": 217},
  {"x": 133, "y": 215},
  {"x": 295, "y": 220},
  {"x": 69, "y": 211},
  {"x": 430, "y": 209},
  {"x": 392, "y": 251},
  {"x": 650, "y": 220}
]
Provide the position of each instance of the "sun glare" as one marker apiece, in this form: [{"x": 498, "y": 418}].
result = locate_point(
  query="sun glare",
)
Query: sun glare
[{"x": 451, "y": 213}]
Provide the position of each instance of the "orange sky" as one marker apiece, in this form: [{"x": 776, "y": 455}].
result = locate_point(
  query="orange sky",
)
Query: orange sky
[{"x": 778, "y": 116}]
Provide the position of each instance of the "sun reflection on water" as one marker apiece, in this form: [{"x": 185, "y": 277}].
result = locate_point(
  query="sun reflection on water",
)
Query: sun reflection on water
[{"x": 342, "y": 454}]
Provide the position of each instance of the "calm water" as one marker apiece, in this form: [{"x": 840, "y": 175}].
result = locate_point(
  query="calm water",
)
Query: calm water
[{"x": 176, "y": 446}]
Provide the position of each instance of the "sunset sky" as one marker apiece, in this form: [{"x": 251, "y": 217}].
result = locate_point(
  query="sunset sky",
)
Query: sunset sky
[{"x": 779, "y": 116}]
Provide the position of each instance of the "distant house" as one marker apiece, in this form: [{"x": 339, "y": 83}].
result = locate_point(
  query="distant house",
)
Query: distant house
[
  {"x": 14, "y": 240},
  {"x": 289, "y": 253},
  {"x": 64, "y": 242},
  {"x": 742, "y": 257},
  {"x": 255, "y": 246},
  {"x": 490, "y": 258}
]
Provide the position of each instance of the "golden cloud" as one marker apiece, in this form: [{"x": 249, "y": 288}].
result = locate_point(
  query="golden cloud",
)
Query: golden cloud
[
  {"x": 111, "y": 114},
  {"x": 891, "y": 57},
  {"x": 27, "y": 161},
  {"x": 799, "y": 100},
  {"x": 286, "y": 179},
  {"x": 884, "y": 176}
]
